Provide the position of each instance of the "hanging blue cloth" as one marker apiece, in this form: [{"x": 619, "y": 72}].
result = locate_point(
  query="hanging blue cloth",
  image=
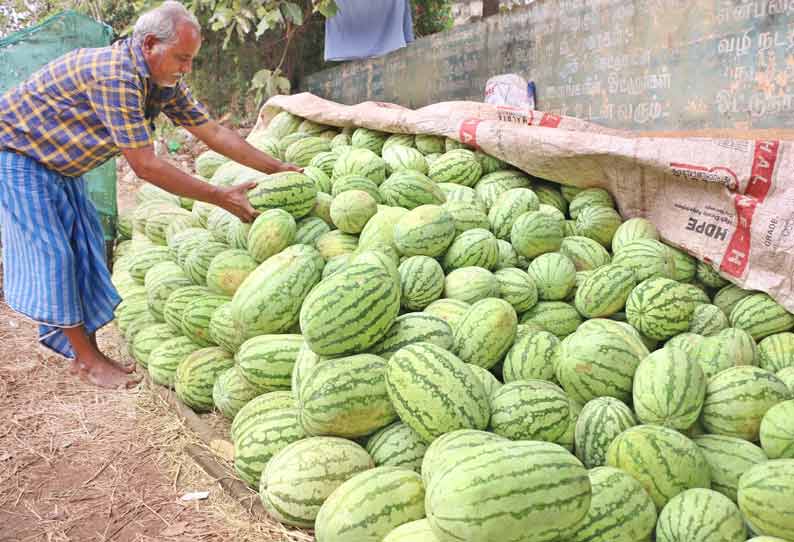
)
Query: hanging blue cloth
[{"x": 368, "y": 28}]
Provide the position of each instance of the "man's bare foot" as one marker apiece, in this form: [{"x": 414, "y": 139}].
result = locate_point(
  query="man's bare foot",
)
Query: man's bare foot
[
  {"x": 101, "y": 371},
  {"x": 129, "y": 369}
]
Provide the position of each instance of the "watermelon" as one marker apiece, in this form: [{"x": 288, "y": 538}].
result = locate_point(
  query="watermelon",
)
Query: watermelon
[
  {"x": 728, "y": 296},
  {"x": 663, "y": 460},
  {"x": 517, "y": 288},
  {"x": 487, "y": 379},
  {"x": 702, "y": 515},
  {"x": 351, "y": 210},
  {"x": 449, "y": 310},
  {"x": 223, "y": 330},
  {"x": 309, "y": 229},
  {"x": 737, "y": 400},
  {"x": 160, "y": 282},
  {"x": 507, "y": 256},
  {"x": 556, "y": 317},
  {"x": 283, "y": 124},
  {"x": 159, "y": 221},
  {"x": 288, "y": 140},
  {"x": 379, "y": 231},
  {"x": 710, "y": 277},
  {"x": 600, "y": 422},
  {"x": 164, "y": 359},
  {"x": 320, "y": 170},
  {"x": 143, "y": 261},
  {"x": 598, "y": 223},
  {"x": 688, "y": 342},
  {"x": 466, "y": 215},
  {"x": 227, "y": 271},
  {"x": 508, "y": 207},
  {"x": 428, "y": 144},
  {"x": 231, "y": 392},
  {"x": 434, "y": 392},
  {"x": 300, "y": 477},
  {"x": 728, "y": 348},
  {"x": 708, "y": 320},
  {"x": 412, "y": 328},
  {"x": 516, "y": 475},
  {"x": 463, "y": 194},
  {"x": 336, "y": 243},
  {"x": 535, "y": 233},
  {"x": 550, "y": 195},
  {"x": 220, "y": 222},
  {"x": 459, "y": 166},
  {"x": 761, "y": 316},
  {"x": 402, "y": 158},
  {"x": 472, "y": 248},
  {"x": 361, "y": 162},
  {"x": 346, "y": 397},
  {"x": 450, "y": 447},
  {"x": 585, "y": 253},
  {"x": 777, "y": 431},
  {"x": 531, "y": 357},
  {"x": 413, "y": 531},
  {"x": 267, "y": 428},
  {"x": 765, "y": 494},
  {"x": 604, "y": 291},
  {"x": 291, "y": 191},
  {"x": 208, "y": 162},
  {"x": 370, "y": 505},
  {"x": 590, "y": 197},
  {"x": 322, "y": 207},
  {"x": 272, "y": 231},
  {"x": 648, "y": 258},
  {"x": 397, "y": 445},
  {"x": 470, "y": 284},
  {"x": 530, "y": 410},
  {"x": 366, "y": 138},
  {"x": 347, "y": 183},
  {"x": 195, "y": 376},
  {"x": 185, "y": 241},
  {"x": 406, "y": 140},
  {"x": 485, "y": 332},
  {"x": 776, "y": 352},
  {"x": 554, "y": 212},
  {"x": 620, "y": 509},
  {"x": 266, "y": 361},
  {"x": 554, "y": 275},
  {"x": 280, "y": 285},
  {"x": 302, "y": 151},
  {"x": 659, "y": 308},
  {"x": 410, "y": 189},
  {"x": 421, "y": 282},
  {"x": 632, "y": 230},
  {"x": 309, "y": 127},
  {"x": 728, "y": 458},
  {"x": 196, "y": 317},
  {"x": 787, "y": 377},
  {"x": 150, "y": 338},
  {"x": 248, "y": 416},
  {"x": 669, "y": 389},
  {"x": 492, "y": 186},
  {"x": 426, "y": 230},
  {"x": 198, "y": 261}
]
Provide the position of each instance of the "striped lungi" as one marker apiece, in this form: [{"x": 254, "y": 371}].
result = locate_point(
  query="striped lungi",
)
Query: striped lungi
[{"x": 53, "y": 251}]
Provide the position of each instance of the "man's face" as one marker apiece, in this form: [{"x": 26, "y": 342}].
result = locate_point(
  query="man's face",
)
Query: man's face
[{"x": 168, "y": 62}]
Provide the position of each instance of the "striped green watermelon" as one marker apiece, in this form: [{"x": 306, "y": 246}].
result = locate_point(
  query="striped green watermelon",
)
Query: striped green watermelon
[
  {"x": 516, "y": 475},
  {"x": 459, "y": 166},
  {"x": 220, "y": 222},
  {"x": 421, "y": 282},
  {"x": 356, "y": 182},
  {"x": 776, "y": 352},
  {"x": 185, "y": 241},
  {"x": 270, "y": 298},
  {"x": 632, "y": 230},
  {"x": 397, "y": 445},
  {"x": 600, "y": 422},
  {"x": 598, "y": 223},
  {"x": 406, "y": 140},
  {"x": 554, "y": 275},
  {"x": 223, "y": 330},
  {"x": 351, "y": 310},
  {"x": 472, "y": 248},
  {"x": 688, "y": 342},
  {"x": 702, "y": 515},
  {"x": 309, "y": 229},
  {"x": 426, "y": 230},
  {"x": 208, "y": 162},
  {"x": 434, "y": 392},
  {"x": 491, "y": 187},
  {"x": 464, "y": 194},
  {"x": 336, "y": 243},
  {"x": 728, "y": 296},
  {"x": 198, "y": 261},
  {"x": 361, "y": 162},
  {"x": 470, "y": 284},
  {"x": 346, "y": 397},
  {"x": 450, "y": 447},
  {"x": 310, "y": 127},
  {"x": 485, "y": 332},
  {"x": 231, "y": 392},
  {"x": 158, "y": 223},
  {"x": 150, "y": 338},
  {"x": 507, "y": 256},
  {"x": 556, "y": 317},
  {"x": 490, "y": 163},
  {"x": 708, "y": 320},
  {"x": 414, "y": 327},
  {"x": 351, "y": 210},
  {"x": 196, "y": 317},
  {"x": 669, "y": 389},
  {"x": 130, "y": 309},
  {"x": 604, "y": 291},
  {"x": 590, "y": 197},
  {"x": 517, "y": 288},
  {"x": 370, "y": 505},
  {"x": 585, "y": 253},
  {"x": 663, "y": 460},
  {"x": 428, "y": 144},
  {"x": 777, "y": 431},
  {"x": 659, "y": 308},
  {"x": 322, "y": 207},
  {"x": 765, "y": 494},
  {"x": 227, "y": 271},
  {"x": 179, "y": 225},
  {"x": 413, "y": 531},
  {"x": 761, "y": 316},
  {"x": 137, "y": 325},
  {"x": 787, "y": 377},
  {"x": 366, "y": 138},
  {"x": 299, "y": 478},
  {"x": 536, "y": 233},
  {"x": 143, "y": 261},
  {"x": 737, "y": 400},
  {"x": 530, "y": 410},
  {"x": 569, "y": 192},
  {"x": 410, "y": 189},
  {"x": 164, "y": 359},
  {"x": 337, "y": 263},
  {"x": 238, "y": 235},
  {"x": 728, "y": 348},
  {"x": 449, "y": 310},
  {"x": 508, "y": 207},
  {"x": 648, "y": 258},
  {"x": 402, "y": 158},
  {"x": 195, "y": 376},
  {"x": 684, "y": 265},
  {"x": 728, "y": 458},
  {"x": 267, "y": 432},
  {"x": 302, "y": 151},
  {"x": 550, "y": 195},
  {"x": 490, "y": 383},
  {"x": 266, "y": 361},
  {"x": 291, "y": 191},
  {"x": 249, "y": 415},
  {"x": 531, "y": 357},
  {"x": 160, "y": 282},
  {"x": 320, "y": 170},
  {"x": 283, "y": 124},
  {"x": 620, "y": 509},
  {"x": 379, "y": 231},
  {"x": 272, "y": 231},
  {"x": 708, "y": 276},
  {"x": 201, "y": 210},
  {"x": 466, "y": 215}
]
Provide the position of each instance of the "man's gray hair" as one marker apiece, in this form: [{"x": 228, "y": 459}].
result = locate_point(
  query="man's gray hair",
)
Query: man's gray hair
[{"x": 161, "y": 22}]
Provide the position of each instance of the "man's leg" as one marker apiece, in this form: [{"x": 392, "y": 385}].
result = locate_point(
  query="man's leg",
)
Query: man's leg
[
  {"x": 93, "y": 364},
  {"x": 129, "y": 369}
]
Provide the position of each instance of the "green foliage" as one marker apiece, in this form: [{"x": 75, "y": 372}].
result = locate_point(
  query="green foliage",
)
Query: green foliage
[{"x": 431, "y": 16}]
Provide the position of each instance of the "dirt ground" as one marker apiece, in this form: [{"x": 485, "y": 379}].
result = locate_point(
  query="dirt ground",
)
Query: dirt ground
[{"x": 78, "y": 463}]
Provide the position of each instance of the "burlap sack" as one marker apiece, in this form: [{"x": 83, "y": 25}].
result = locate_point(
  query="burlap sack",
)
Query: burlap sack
[{"x": 729, "y": 202}]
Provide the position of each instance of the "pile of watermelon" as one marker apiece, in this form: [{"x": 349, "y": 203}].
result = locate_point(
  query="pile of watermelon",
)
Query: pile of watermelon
[{"x": 416, "y": 342}]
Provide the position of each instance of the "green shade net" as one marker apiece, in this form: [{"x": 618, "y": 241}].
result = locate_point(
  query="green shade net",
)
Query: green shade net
[{"x": 24, "y": 52}]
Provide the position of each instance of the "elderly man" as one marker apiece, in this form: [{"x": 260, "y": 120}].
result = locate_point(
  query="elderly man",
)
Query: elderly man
[{"x": 69, "y": 117}]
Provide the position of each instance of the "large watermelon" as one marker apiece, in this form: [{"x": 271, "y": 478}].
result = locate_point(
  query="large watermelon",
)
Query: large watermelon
[
  {"x": 703, "y": 515},
  {"x": 728, "y": 458},
  {"x": 196, "y": 374},
  {"x": 599, "y": 423},
  {"x": 765, "y": 494}
]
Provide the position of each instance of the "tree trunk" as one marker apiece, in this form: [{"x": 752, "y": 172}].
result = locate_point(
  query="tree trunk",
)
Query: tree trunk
[{"x": 490, "y": 7}]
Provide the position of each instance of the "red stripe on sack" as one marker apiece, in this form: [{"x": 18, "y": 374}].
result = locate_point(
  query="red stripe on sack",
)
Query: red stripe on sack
[
  {"x": 468, "y": 132},
  {"x": 737, "y": 255},
  {"x": 550, "y": 121}
]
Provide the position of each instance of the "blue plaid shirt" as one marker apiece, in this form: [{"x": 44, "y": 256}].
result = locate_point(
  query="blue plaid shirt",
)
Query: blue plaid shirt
[{"x": 79, "y": 110}]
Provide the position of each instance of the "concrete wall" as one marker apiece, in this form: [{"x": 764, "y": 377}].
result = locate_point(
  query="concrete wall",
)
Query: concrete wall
[{"x": 636, "y": 64}]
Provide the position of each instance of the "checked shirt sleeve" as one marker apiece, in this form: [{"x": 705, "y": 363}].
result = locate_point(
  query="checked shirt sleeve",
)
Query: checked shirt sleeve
[
  {"x": 119, "y": 105},
  {"x": 184, "y": 110}
]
